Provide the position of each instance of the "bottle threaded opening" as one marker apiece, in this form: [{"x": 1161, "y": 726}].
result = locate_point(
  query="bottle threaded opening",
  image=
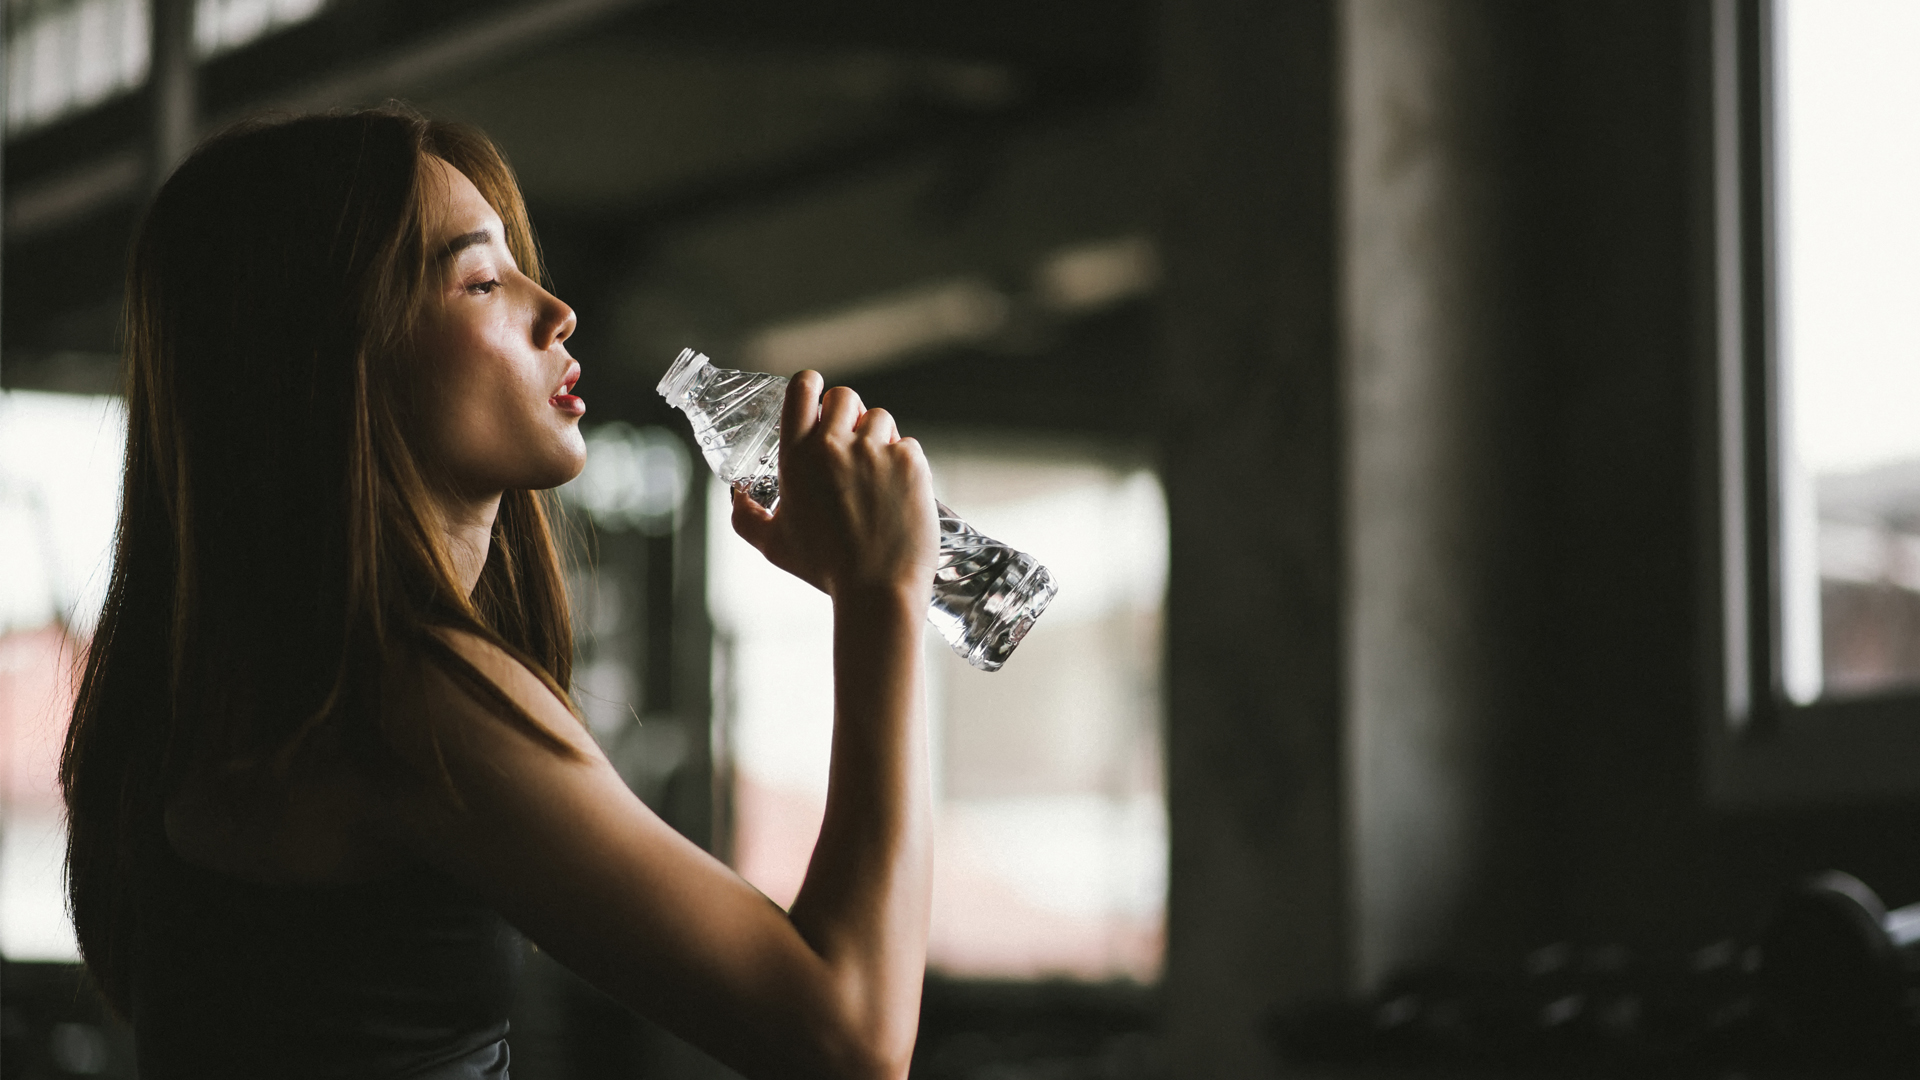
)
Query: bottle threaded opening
[{"x": 679, "y": 377}]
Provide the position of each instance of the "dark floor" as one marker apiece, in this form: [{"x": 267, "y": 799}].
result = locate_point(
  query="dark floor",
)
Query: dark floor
[{"x": 52, "y": 1025}]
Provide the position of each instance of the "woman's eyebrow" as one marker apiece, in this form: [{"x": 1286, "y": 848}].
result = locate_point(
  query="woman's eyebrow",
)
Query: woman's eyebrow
[{"x": 464, "y": 241}]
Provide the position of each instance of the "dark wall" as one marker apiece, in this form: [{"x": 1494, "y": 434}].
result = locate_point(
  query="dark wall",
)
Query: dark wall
[{"x": 1614, "y": 297}]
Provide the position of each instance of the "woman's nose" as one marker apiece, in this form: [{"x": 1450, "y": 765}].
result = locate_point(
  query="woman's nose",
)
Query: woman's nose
[{"x": 555, "y": 322}]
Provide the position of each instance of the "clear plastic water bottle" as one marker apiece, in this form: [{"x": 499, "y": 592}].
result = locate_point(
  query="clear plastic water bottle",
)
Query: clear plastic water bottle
[{"x": 986, "y": 595}]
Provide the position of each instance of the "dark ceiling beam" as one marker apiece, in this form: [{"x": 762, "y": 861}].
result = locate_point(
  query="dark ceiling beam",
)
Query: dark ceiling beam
[
  {"x": 926, "y": 131},
  {"x": 518, "y": 31},
  {"x": 38, "y": 207}
]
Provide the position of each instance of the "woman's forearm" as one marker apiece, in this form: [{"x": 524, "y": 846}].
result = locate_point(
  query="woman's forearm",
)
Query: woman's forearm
[{"x": 865, "y": 902}]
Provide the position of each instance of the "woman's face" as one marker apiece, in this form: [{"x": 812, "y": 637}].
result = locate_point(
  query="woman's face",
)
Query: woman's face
[{"x": 498, "y": 406}]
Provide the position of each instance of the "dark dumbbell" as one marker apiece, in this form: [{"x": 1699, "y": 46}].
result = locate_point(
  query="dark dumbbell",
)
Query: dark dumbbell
[{"x": 1837, "y": 970}]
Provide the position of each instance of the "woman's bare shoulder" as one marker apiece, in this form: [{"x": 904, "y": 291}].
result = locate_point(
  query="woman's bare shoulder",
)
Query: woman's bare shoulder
[{"x": 496, "y": 694}]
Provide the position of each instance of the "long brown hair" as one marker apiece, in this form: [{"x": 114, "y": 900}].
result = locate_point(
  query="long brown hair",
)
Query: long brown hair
[{"x": 277, "y": 562}]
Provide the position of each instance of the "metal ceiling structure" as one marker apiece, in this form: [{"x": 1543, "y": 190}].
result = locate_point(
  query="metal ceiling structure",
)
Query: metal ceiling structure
[{"x": 708, "y": 167}]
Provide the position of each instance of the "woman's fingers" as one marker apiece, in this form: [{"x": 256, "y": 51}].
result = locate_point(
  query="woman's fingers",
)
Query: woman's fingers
[
  {"x": 801, "y": 409},
  {"x": 840, "y": 409},
  {"x": 876, "y": 426},
  {"x": 912, "y": 448},
  {"x": 856, "y": 501},
  {"x": 753, "y": 522}
]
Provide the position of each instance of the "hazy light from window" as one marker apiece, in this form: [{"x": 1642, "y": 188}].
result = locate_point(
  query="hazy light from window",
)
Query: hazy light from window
[
  {"x": 634, "y": 478},
  {"x": 1848, "y": 85},
  {"x": 1051, "y": 840},
  {"x": 1847, "y": 174},
  {"x": 59, "y": 497},
  {"x": 60, "y": 460}
]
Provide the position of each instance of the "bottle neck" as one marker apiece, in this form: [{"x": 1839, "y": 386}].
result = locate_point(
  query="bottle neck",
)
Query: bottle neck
[{"x": 685, "y": 378}]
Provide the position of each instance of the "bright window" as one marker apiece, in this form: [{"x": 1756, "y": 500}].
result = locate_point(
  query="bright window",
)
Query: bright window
[
  {"x": 59, "y": 496},
  {"x": 1846, "y": 169}
]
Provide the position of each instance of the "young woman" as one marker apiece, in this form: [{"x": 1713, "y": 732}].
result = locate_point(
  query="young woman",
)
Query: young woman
[{"x": 323, "y": 757}]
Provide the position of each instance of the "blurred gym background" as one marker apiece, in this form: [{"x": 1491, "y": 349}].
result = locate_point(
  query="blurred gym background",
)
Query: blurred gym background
[{"x": 1474, "y": 438}]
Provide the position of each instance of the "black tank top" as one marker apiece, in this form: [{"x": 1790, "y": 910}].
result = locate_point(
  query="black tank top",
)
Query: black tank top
[{"x": 407, "y": 976}]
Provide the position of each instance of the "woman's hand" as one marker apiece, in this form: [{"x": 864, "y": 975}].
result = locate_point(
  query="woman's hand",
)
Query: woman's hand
[{"x": 856, "y": 509}]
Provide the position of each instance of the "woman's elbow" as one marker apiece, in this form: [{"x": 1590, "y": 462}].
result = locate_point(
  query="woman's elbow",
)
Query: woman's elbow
[
  {"x": 875, "y": 1060},
  {"x": 865, "y": 1049}
]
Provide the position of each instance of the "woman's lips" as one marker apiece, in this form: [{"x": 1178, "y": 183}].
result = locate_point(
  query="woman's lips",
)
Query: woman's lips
[{"x": 566, "y": 400}]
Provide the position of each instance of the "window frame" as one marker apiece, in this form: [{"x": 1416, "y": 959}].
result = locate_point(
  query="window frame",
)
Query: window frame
[{"x": 1764, "y": 749}]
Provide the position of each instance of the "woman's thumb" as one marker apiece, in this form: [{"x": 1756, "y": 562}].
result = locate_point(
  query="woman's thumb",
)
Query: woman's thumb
[{"x": 753, "y": 522}]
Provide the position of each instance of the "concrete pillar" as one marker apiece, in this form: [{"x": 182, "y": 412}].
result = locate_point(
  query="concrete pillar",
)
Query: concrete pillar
[
  {"x": 1342, "y": 615},
  {"x": 1433, "y": 495},
  {"x": 1253, "y": 468}
]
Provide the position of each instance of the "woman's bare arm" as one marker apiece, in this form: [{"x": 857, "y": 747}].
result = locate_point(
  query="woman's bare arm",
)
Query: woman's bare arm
[
  {"x": 865, "y": 901},
  {"x": 568, "y": 854}
]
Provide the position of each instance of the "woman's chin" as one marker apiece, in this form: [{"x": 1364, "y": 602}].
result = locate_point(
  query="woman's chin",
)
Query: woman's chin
[
  {"x": 565, "y": 465},
  {"x": 570, "y": 474},
  {"x": 576, "y": 452}
]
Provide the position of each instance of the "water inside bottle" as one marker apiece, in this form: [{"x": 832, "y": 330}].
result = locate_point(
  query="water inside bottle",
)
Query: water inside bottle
[
  {"x": 986, "y": 595},
  {"x": 764, "y": 486}
]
